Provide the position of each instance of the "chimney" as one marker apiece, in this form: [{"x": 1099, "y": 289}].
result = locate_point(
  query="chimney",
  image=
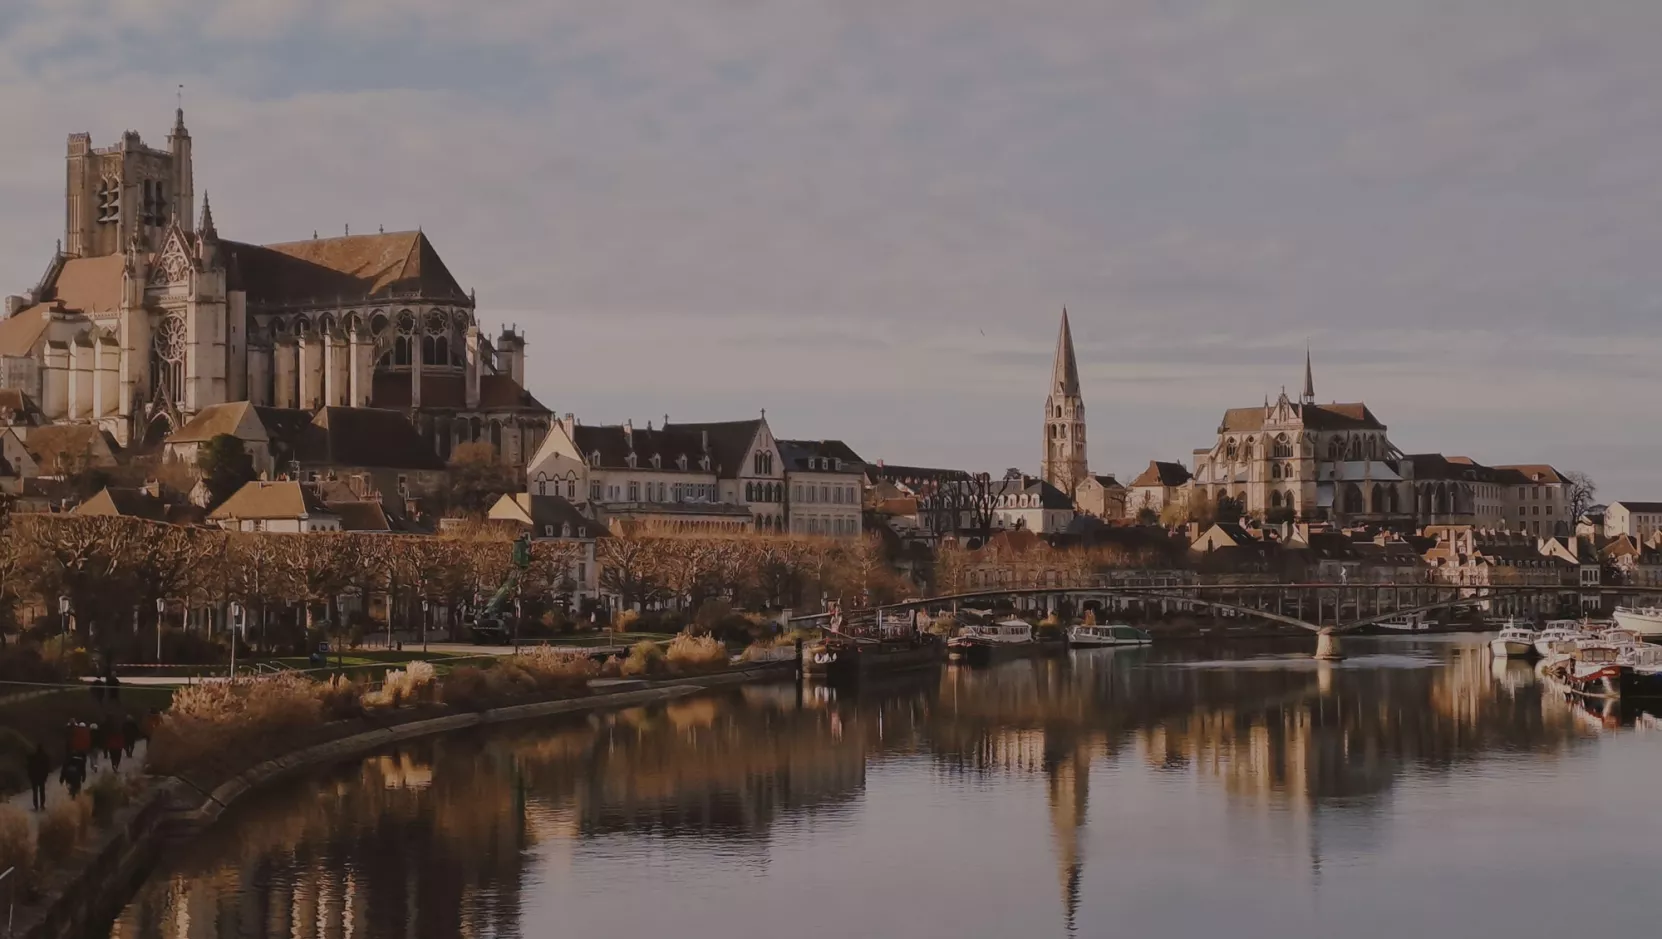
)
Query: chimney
[
  {"x": 153, "y": 488},
  {"x": 666, "y": 420},
  {"x": 629, "y": 433},
  {"x": 704, "y": 438},
  {"x": 14, "y": 305}
]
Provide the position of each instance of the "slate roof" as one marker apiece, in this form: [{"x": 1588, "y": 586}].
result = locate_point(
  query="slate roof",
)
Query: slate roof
[
  {"x": 211, "y": 422},
  {"x": 796, "y": 453},
  {"x": 614, "y": 443},
  {"x": 496, "y": 392},
  {"x": 895, "y": 472},
  {"x": 1354, "y": 416},
  {"x": 1532, "y": 473},
  {"x": 1161, "y": 473},
  {"x": 21, "y": 406},
  {"x": 729, "y": 442},
  {"x": 369, "y": 437},
  {"x": 1639, "y": 506},
  {"x": 351, "y": 267},
  {"x": 360, "y": 516}
]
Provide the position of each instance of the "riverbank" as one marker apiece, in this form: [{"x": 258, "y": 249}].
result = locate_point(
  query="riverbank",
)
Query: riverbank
[{"x": 106, "y": 870}]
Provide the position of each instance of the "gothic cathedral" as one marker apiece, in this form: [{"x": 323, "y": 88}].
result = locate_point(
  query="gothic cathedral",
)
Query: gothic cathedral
[
  {"x": 146, "y": 316},
  {"x": 1064, "y": 459}
]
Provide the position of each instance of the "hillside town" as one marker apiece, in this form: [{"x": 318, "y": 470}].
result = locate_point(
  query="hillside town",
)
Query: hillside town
[{"x": 342, "y": 384}]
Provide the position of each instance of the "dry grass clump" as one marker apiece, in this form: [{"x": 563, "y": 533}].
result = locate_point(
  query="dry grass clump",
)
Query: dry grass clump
[
  {"x": 688, "y": 653},
  {"x": 62, "y": 828},
  {"x": 540, "y": 671},
  {"x": 778, "y": 649},
  {"x": 646, "y": 660},
  {"x": 212, "y": 718},
  {"x": 414, "y": 683},
  {"x": 17, "y": 843},
  {"x": 106, "y": 796},
  {"x": 626, "y": 620}
]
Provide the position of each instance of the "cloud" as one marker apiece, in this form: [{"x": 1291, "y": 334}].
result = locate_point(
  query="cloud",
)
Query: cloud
[{"x": 863, "y": 212}]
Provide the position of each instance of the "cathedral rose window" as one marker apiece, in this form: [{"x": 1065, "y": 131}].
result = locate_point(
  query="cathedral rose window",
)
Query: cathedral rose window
[{"x": 168, "y": 359}]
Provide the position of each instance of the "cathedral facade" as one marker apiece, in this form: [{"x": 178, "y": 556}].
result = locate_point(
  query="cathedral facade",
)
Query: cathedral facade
[
  {"x": 145, "y": 316},
  {"x": 1307, "y": 461}
]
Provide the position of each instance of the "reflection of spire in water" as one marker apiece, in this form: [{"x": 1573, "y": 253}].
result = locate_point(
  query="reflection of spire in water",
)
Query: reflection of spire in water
[{"x": 1068, "y": 770}]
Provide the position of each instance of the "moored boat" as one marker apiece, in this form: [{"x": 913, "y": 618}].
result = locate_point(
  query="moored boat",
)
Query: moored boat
[
  {"x": 1410, "y": 623},
  {"x": 1646, "y": 621},
  {"x": 1559, "y": 638},
  {"x": 981, "y": 643},
  {"x": 1514, "y": 642},
  {"x": 1118, "y": 634},
  {"x": 843, "y": 658}
]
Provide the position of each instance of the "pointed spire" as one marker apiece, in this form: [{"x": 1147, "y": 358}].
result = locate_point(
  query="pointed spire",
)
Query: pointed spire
[
  {"x": 205, "y": 227},
  {"x": 1064, "y": 375},
  {"x": 1309, "y": 380}
]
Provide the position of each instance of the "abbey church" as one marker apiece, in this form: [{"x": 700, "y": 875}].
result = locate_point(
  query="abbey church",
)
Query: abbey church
[{"x": 145, "y": 317}]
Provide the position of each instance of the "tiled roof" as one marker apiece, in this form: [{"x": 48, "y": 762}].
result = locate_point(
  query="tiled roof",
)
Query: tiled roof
[
  {"x": 211, "y": 422},
  {"x": 137, "y": 503},
  {"x": 544, "y": 512},
  {"x": 496, "y": 392},
  {"x": 90, "y": 285},
  {"x": 614, "y": 443},
  {"x": 1160, "y": 473},
  {"x": 796, "y": 454},
  {"x": 894, "y": 472},
  {"x": 268, "y": 499},
  {"x": 21, "y": 407},
  {"x": 1107, "y": 482},
  {"x": 365, "y": 437},
  {"x": 50, "y": 444},
  {"x": 22, "y": 330},
  {"x": 1639, "y": 506},
  {"x": 729, "y": 442},
  {"x": 351, "y": 267}
]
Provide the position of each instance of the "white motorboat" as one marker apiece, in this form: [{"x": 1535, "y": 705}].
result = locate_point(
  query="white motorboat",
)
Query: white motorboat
[
  {"x": 1110, "y": 635},
  {"x": 1559, "y": 638},
  {"x": 1516, "y": 641},
  {"x": 981, "y": 643},
  {"x": 1646, "y": 621}
]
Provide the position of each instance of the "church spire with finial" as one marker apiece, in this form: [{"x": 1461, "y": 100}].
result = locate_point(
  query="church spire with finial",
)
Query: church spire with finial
[
  {"x": 1309, "y": 396},
  {"x": 205, "y": 227},
  {"x": 1064, "y": 426}
]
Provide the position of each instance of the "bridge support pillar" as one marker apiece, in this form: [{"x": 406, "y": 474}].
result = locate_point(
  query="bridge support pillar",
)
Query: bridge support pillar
[{"x": 1327, "y": 644}]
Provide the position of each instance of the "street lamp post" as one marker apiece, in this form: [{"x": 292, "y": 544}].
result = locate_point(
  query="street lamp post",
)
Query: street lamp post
[
  {"x": 236, "y": 621},
  {"x": 161, "y": 610},
  {"x": 424, "y": 608}
]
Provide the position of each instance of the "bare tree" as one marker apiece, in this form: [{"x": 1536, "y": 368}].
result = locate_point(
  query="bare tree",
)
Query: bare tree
[{"x": 1579, "y": 491}]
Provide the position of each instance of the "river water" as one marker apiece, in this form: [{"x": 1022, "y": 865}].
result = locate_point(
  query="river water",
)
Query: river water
[{"x": 1416, "y": 788}]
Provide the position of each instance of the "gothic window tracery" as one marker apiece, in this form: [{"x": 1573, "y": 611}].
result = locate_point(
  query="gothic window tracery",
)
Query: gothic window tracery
[
  {"x": 167, "y": 359},
  {"x": 403, "y": 344}
]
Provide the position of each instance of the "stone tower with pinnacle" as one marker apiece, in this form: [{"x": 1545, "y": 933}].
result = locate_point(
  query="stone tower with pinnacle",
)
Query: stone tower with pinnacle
[{"x": 1064, "y": 455}]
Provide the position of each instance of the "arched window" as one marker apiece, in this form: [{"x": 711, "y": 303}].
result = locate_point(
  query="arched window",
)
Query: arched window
[
  {"x": 1275, "y": 499},
  {"x": 1353, "y": 502},
  {"x": 1246, "y": 451},
  {"x": 1378, "y": 499},
  {"x": 1275, "y": 470},
  {"x": 1231, "y": 451},
  {"x": 542, "y": 485},
  {"x": 1283, "y": 446},
  {"x": 1336, "y": 448}
]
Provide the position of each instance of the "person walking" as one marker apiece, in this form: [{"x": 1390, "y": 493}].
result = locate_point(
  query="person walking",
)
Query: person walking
[
  {"x": 40, "y": 768},
  {"x": 113, "y": 745},
  {"x": 130, "y": 734},
  {"x": 92, "y": 741}
]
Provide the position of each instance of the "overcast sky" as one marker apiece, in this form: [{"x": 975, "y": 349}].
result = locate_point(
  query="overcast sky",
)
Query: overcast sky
[{"x": 866, "y": 216}]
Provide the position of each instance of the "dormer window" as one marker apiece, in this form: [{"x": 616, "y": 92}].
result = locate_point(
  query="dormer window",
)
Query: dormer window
[
  {"x": 704, "y": 463},
  {"x": 657, "y": 461},
  {"x": 565, "y": 530},
  {"x": 630, "y": 459},
  {"x": 681, "y": 462},
  {"x": 548, "y": 531},
  {"x": 594, "y": 458},
  {"x": 837, "y": 465}
]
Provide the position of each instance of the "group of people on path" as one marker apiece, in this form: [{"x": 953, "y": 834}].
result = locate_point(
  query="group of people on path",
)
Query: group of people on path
[{"x": 83, "y": 743}]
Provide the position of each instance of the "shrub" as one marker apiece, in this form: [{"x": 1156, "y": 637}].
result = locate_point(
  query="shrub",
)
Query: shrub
[
  {"x": 689, "y": 653},
  {"x": 213, "y": 717},
  {"x": 625, "y": 621},
  {"x": 341, "y": 698},
  {"x": 413, "y": 683},
  {"x": 553, "y": 670},
  {"x": 645, "y": 660},
  {"x": 17, "y": 843},
  {"x": 107, "y": 795},
  {"x": 61, "y": 830},
  {"x": 467, "y": 687}
]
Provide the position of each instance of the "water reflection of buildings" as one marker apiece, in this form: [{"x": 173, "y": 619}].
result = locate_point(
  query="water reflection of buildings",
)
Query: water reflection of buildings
[{"x": 440, "y": 838}]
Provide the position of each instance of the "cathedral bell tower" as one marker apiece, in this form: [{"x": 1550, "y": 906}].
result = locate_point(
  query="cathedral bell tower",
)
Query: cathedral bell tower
[{"x": 1064, "y": 455}]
